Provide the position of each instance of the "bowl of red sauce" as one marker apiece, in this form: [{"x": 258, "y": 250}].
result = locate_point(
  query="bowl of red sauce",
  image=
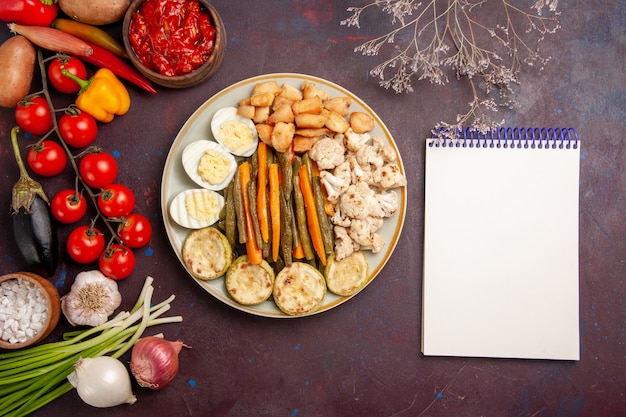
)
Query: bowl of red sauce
[{"x": 174, "y": 43}]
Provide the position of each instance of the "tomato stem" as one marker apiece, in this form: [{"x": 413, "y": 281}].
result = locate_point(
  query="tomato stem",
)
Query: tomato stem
[
  {"x": 55, "y": 127},
  {"x": 84, "y": 84}
]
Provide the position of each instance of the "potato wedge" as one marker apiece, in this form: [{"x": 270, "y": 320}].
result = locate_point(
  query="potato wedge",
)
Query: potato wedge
[
  {"x": 291, "y": 93},
  {"x": 340, "y": 105},
  {"x": 282, "y": 136},
  {"x": 282, "y": 114},
  {"x": 264, "y": 131},
  {"x": 310, "y": 90},
  {"x": 267, "y": 87},
  {"x": 309, "y": 121},
  {"x": 361, "y": 122},
  {"x": 262, "y": 99},
  {"x": 303, "y": 144},
  {"x": 336, "y": 122},
  {"x": 246, "y": 110},
  {"x": 261, "y": 114},
  {"x": 312, "y": 105}
]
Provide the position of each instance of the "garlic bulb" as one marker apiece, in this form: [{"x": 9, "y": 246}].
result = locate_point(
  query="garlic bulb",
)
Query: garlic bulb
[
  {"x": 91, "y": 300},
  {"x": 102, "y": 381}
]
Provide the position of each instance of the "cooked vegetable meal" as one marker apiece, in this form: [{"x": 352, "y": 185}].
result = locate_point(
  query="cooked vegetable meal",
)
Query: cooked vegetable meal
[{"x": 306, "y": 194}]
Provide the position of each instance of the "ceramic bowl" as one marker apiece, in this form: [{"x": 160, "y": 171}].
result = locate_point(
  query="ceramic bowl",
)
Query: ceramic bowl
[
  {"x": 53, "y": 304},
  {"x": 195, "y": 77}
]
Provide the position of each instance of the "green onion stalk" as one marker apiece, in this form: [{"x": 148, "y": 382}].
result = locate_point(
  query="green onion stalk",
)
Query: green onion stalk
[{"x": 31, "y": 378}]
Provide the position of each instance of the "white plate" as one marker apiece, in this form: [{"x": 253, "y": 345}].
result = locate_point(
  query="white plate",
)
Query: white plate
[{"x": 198, "y": 126}]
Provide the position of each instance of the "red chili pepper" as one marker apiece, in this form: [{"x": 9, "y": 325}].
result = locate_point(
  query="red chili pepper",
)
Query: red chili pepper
[
  {"x": 102, "y": 58},
  {"x": 29, "y": 12}
]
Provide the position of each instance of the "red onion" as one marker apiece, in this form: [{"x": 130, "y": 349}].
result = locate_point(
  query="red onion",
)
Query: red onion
[{"x": 154, "y": 361}]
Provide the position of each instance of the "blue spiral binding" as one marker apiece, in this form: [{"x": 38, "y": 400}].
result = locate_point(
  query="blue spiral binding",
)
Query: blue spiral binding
[{"x": 507, "y": 137}]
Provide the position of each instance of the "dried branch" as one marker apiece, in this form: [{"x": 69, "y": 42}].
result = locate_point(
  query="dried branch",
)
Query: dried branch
[{"x": 443, "y": 37}]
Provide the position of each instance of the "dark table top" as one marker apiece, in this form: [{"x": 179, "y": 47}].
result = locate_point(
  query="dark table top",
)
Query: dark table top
[{"x": 363, "y": 357}]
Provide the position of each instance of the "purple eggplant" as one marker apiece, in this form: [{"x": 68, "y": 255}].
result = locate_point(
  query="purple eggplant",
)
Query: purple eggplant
[{"x": 33, "y": 229}]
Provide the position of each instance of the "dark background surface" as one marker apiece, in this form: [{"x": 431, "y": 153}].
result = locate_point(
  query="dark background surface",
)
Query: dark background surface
[{"x": 363, "y": 357}]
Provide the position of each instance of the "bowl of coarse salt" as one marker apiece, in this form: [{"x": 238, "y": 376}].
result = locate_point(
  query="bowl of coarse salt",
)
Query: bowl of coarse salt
[{"x": 30, "y": 308}]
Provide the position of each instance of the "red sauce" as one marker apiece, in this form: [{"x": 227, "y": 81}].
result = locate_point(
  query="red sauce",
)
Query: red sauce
[{"x": 172, "y": 37}]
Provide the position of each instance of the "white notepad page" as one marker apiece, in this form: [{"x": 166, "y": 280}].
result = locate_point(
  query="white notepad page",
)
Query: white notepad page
[{"x": 501, "y": 253}]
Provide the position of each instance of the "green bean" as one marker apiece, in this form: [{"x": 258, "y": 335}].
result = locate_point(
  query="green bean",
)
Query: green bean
[
  {"x": 241, "y": 214},
  {"x": 300, "y": 213},
  {"x": 222, "y": 215},
  {"x": 266, "y": 248},
  {"x": 254, "y": 164},
  {"x": 287, "y": 169},
  {"x": 254, "y": 213},
  {"x": 306, "y": 160},
  {"x": 286, "y": 236},
  {"x": 231, "y": 217},
  {"x": 297, "y": 163},
  {"x": 294, "y": 226},
  {"x": 325, "y": 226},
  {"x": 278, "y": 265}
]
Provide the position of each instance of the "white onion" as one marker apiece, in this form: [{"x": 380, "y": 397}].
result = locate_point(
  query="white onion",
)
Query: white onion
[{"x": 102, "y": 382}]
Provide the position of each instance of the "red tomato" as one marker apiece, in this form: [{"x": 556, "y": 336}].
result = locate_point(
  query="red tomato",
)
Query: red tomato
[
  {"x": 34, "y": 116},
  {"x": 62, "y": 82},
  {"x": 47, "y": 158},
  {"x": 68, "y": 206},
  {"x": 135, "y": 231},
  {"x": 116, "y": 200},
  {"x": 117, "y": 262},
  {"x": 98, "y": 169},
  {"x": 85, "y": 244},
  {"x": 78, "y": 129}
]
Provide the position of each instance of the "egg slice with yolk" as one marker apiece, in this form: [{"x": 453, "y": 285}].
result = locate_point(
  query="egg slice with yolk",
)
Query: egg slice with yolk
[{"x": 236, "y": 133}]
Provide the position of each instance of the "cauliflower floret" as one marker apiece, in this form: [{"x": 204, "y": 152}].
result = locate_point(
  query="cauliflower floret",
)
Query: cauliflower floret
[
  {"x": 339, "y": 218},
  {"x": 388, "y": 201},
  {"x": 354, "y": 141},
  {"x": 388, "y": 176},
  {"x": 357, "y": 172},
  {"x": 376, "y": 245},
  {"x": 359, "y": 201},
  {"x": 363, "y": 232},
  {"x": 343, "y": 171},
  {"x": 344, "y": 245},
  {"x": 368, "y": 155},
  {"x": 336, "y": 182},
  {"x": 328, "y": 153},
  {"x": 386, "y": 151}
]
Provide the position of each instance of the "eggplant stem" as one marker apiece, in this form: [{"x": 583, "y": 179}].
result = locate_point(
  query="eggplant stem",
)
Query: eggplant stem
[{"x": 25, "y": 189}]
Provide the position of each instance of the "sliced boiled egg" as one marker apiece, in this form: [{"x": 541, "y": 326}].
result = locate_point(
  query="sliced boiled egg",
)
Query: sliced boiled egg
[
  {"x": 196, "y": 208},
  {"x": 209, "y": 164},
  {"x": 236, "y": 133}
]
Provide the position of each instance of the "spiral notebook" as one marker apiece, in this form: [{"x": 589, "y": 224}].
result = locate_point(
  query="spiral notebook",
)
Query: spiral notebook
[{"x": 501, "y": 245}]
